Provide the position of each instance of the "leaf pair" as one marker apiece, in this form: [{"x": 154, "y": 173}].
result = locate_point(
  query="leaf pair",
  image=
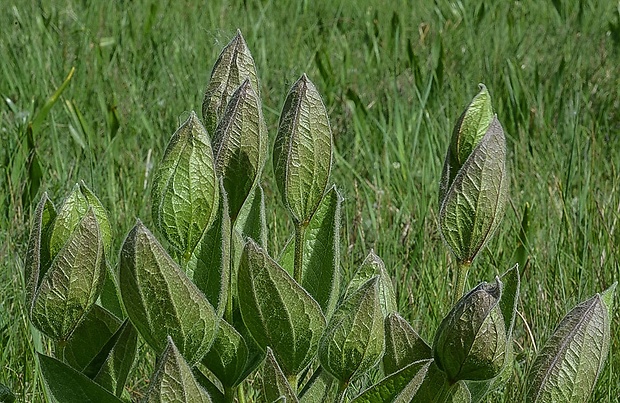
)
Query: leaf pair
[
  {"x": 66, "y": 261},
  {"x": 474, "y": 183}
]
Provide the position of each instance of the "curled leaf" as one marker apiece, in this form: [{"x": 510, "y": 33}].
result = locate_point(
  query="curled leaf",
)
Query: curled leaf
[
  {"x": 474, "y": 202},
  {"x": 354, "y": 339},
  {"x": 370, "y": 267},
  {"x": 71, "y": 285},
  {"x": 470, "y": 343},
  {"x": 303, "y": 150},
  {"x": 277, "y": 311},
  {"x": 239, "y": 145},
  {"x": 161, "y": 300},
  {"x": 234, "y": 65},
  {"x": 567, "y": 367},
  {"x": 185, "y": 190}
]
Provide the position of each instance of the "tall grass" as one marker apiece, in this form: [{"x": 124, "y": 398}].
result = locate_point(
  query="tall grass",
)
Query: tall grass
[{"x": 394, "y": 77}]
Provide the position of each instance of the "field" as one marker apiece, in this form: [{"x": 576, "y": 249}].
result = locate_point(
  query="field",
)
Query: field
[{"x": 394, "y": 76}]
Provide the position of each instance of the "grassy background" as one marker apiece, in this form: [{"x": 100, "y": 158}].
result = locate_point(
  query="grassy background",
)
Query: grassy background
[{"x": 395, "y": 78}]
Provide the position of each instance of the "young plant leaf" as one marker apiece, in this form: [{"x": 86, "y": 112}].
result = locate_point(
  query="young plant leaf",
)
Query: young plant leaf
[
  {"x": 468, "y": 131},
  {"x": 73, "y": 281},
  {"x": 239, "y": 146},
  {"x": 470, "y": 343},
  {"x": 228, "y": 357},
  {"x": 302, "y": 151},
  {"x": 277, "y": 311},
  {"x": 185, "y": 189},
  {"x": 401, "y": 386},
  {"x": 251, "y": 221},
  {"x": 275, "y": 384},
  {"x": 403, "y": 345},
  {"x": 109, "y": 298},
  {"x": 474, "y": 203},
  {"x": 567, "y": 367},
  {"x": 320, "y": 388},
  {"x": 73, "y": 209},
  {"x": 373, "y": 266},
  {"x": 110, "y": 368},
  {"x": 70, "y": 386},
  {"x": 208, "y": 266},
  {"x": 161, "y": 300},
  {"x": 234, "y": 65},
  {"x": 37, "y": 257},
  {"x": 354, "y": 339},
  {"x": 321, "y": 260},
  {"x": 173, "y": 380},
  {"x": 90, "y": 337}
]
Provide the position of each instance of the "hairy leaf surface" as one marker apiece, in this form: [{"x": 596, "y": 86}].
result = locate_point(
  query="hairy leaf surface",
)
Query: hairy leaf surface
[
  {"x": 277, "y": 311},
  {"x": 185, "y": 189},
  {"x": 234, "y": 65},
  {"x": 161, "y": 300},
  {"x": 302, "y": 151}
]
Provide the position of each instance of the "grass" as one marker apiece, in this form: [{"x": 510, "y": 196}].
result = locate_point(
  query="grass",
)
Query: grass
[{"x": 394, "y": 77}]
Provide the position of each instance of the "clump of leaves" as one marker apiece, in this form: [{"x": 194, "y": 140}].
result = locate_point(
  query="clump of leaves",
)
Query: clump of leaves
[{"x": 217, "y": 307}]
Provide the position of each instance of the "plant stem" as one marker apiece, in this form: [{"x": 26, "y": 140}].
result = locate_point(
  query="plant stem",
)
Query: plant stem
[
  {"x": 342, "y": 388},
  {"x": 241, "y": 393},
  {"x": 229, "y": 394},
  {"x": 462, "y": 268},
  {"x": 292, "y": 381},
  {"x": 228, "y": 313},
  {"x": 300, "y": 230}
]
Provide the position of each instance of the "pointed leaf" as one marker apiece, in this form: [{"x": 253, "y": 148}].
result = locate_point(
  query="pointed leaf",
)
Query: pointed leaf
[
  {"x": 110, "y": 368},
  {"x": 277, "y": 311},
  {"x": 228, "y": 356},
  {"x": 102, "y": 216},
  {"x": 470, "y": 343},
  {"x": 161, "y": 300},
  {"x": 185, "y": 189},
  {"x": 239, "y": 145},
  {"x": 37, "y": 258},
  {"x": 251, "y": 221},
  {"x": 354, "y": 339},
  {"x": 567, "y": 367},
  {"x": 71, "y": 213},
  {"x": 208, "y": 266},
  {"x": 234, "y": 65},
  {"x": 303, "y": 150},
  {"x": 41, "y": 115},
  {"x": 70, "y": 386},
  {"x": 403, "y": 345},
  {"x": 511, "y": 281},
  {"x": 321, "y": 260},
  {"x": 275, "y": 384},
  {"x": 373, "y": 266},
  {"x": 90, "y": 337},
  {"x": 73, "y": 282},
  {"x": 109, "y": 298},
  {"x": 475, "y": 201},
  {"x": 173, "y": 380},
  {"x": 401, "y": 386},
  {"x": 320, "y": 388}
]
